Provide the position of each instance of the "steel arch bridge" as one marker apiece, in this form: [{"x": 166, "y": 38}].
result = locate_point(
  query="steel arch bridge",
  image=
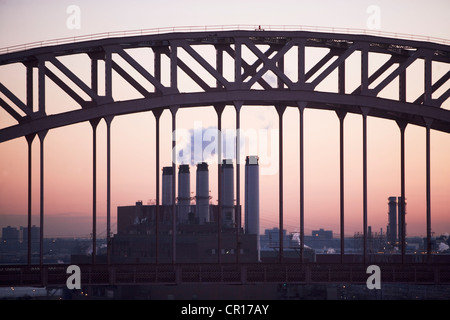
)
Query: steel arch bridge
[{"x": 223, "y": 75}]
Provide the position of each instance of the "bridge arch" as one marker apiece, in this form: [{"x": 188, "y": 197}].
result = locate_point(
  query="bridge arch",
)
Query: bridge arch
[{"x": 235, "y": 80}]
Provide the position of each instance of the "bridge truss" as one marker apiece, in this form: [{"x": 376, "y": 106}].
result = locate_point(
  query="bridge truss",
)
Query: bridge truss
[{"x": 216, "y": 64}]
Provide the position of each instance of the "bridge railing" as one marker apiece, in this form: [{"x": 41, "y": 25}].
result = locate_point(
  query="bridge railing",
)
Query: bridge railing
[
  {"x": 212, "y": 28},
  {"x": 118, "y": 274}
]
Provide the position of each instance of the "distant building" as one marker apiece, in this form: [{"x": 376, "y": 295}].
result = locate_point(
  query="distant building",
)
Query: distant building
[
  {"x": 322, "y": 234},
  {"x": 10, "y": 235},
  {"x": 271, "y": 239},
  {"x": 270, "y": 243},
  {"x": 35, "y": 234}
]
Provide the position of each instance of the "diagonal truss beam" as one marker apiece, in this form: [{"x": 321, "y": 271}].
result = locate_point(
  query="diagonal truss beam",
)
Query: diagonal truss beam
[
  {"x": 378, "y": 73},
  {"x": 250, "y": 70},
  {"x": 77, "y": 81},
  {"x": 319, "y": 64},
  {"x": 139, "y": 68},
  {"x": 127, "y": 77},
  {"x": 197, "y": 57},
  {"x": 443, "y": 97},
  {"x": 67, "y": 89},
  {"x": 334, "y": 65},
  {"x": 14, "y": 99},
  {"x": 270, "y": 64},
  {"x": 435, "y": 87},
  {"x": 401, "y": 68},
  {"x": 11, "y": 110},
  {"x": 196, "y": 78}
]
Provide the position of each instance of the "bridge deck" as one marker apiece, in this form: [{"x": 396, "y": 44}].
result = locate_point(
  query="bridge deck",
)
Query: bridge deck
[{"x": 307, "y": 273}]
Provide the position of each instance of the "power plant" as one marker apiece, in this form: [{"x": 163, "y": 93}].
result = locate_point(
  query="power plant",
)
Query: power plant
[{"x": 145, "y": 232}]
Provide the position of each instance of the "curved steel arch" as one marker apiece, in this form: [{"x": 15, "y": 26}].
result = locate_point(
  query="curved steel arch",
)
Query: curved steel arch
[
  {"x": 394, "y": 110},
  {"x": 247, "y": 86}
]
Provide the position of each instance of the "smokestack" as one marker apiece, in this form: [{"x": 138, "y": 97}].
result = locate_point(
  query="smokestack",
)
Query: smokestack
[
  {"x": 202, "y": 193},
  {"x": 184, "y": 193},
  {"x": 392, "y": 220},
  {"x": 227, "y": 193},
  {"x": 167, "y": 186},
  {"x": 252, "y": 198}
]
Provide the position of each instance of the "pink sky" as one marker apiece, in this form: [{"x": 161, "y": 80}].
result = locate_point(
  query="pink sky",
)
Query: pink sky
[{"x": 68, "y": 150}]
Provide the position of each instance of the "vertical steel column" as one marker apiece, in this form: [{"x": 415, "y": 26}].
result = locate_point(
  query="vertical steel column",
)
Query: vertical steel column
[
  {"x": 341, "y": 114},
  {"x": 173, "y": 110},
  {"x": 157, "y": 113},
  {"x": 41, "y": 135},
  {"x": 219, "y": 110},
  {"x": 238, "y": 105},
  {"x": 238, "y": 62},
  {"x": 301, "y": 63},
  {"x": 280, "y": 109},
  {"x": 30, "y": 139},
  {"x": 364, "y": 111},
  {"x": 301, "y": 107},
  {"x": 402, "y": 126},
  {"x": 364, "y": 68},
  {"x": 94, "y": 124},
  {"x": 428, "y": 182},
  {"x": 428, "y": 90},
  {"x": 94, "y": 74},
  {"x": 30, "y": 86},
  {"x": 41, "y": 86},
  {"x": 108, "y": 74},
  {"x": 219, "y": 64},
  {"x": 108, "y": 120}
]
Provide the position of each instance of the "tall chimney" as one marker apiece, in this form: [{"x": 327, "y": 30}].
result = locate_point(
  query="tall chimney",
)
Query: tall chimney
[
  {"x": 227, "y": 193},
  {"x": 202, "y": 193},
  {"x": 392, "y": 220},
  {"x": 252, "y": 198},
  {"x": 167, "y": 186},
  {"x": 184, "y": 193}
]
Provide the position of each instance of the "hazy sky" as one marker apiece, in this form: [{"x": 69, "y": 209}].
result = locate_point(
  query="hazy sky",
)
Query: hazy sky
[{"x": 68, "y": 182}]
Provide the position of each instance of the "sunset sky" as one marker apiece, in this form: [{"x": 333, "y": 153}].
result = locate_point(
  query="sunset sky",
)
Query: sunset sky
[{"x": 68, "y": 150}]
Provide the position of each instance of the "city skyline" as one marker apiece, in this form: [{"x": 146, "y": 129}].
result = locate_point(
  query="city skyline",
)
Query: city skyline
[{"x": 68, "y": 149}]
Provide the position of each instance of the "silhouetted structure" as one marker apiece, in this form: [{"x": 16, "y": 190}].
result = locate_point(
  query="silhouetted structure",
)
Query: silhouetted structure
[
  {"x": 158, "y": 228},
  {"x": 395, "y": 221},
  {"x": 10, "y": 235},
  {"x": 137, "y": 238}
]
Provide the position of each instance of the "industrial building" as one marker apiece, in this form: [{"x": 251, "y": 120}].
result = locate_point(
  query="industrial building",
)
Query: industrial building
[{"x": 145, "y": 236}]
